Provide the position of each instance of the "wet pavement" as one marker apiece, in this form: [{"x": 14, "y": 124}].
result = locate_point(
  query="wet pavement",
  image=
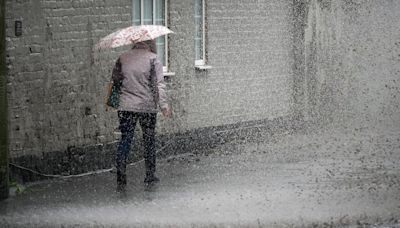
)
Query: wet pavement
[{"x": 335, "y": 176}]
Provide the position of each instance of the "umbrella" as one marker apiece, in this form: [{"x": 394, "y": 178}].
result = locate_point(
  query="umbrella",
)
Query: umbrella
[{"x": 132, "y": 34}]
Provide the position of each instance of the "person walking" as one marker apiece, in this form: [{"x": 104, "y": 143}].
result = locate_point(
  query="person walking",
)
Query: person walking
[{"x": 139, "y": 73}]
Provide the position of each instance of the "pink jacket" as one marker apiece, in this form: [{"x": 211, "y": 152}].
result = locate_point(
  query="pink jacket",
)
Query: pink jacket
[{"x": 139, "y": 91}]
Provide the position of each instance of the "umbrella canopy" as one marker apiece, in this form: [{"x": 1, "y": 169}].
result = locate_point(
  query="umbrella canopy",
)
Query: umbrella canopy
[{"x": 132, "y": 34}]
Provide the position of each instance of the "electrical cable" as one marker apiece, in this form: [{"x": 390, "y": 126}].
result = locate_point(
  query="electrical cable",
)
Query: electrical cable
[{"x": 81, "y": 174}]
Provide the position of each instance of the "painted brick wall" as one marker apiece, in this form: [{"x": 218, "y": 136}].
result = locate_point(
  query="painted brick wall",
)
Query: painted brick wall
[
  {"x": 56, "y": 83},
  {"x": 249, "y": 46}
]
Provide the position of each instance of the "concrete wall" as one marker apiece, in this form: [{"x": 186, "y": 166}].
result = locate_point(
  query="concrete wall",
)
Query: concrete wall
[{"x": 352, "y": 59}]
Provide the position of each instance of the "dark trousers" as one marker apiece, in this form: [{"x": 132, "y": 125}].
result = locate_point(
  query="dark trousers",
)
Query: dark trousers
[{"x": 127, "y": 127}]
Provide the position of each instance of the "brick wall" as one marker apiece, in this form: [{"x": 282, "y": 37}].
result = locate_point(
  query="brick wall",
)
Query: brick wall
[
  {"x": 57, "y": 81},
  {"x": 249, "y": 46}
]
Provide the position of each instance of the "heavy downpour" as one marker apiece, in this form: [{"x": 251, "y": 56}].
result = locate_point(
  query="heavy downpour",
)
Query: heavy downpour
[{"x": 200, "y": 113}]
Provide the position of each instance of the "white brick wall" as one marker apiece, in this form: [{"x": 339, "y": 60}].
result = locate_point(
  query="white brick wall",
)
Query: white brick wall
[{"x": 250, "y": 50}]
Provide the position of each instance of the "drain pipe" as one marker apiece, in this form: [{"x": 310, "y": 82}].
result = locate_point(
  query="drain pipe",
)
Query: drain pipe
[{"x": 4, "y": 179}]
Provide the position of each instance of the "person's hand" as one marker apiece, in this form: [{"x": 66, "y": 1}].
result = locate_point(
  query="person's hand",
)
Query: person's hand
[{"x": 166, "y": 112}]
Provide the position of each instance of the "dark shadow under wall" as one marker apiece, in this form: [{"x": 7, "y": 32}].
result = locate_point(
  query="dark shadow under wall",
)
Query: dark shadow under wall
[{"x": 78, "y": 160}]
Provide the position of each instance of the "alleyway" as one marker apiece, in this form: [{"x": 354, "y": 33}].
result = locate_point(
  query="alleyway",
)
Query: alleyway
[{"x": 341, "y": 176}]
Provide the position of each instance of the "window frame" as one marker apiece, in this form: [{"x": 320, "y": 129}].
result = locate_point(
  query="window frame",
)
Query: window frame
[
  {"x": 202, "y": 62},
  {"x": 165, "y": 67}
]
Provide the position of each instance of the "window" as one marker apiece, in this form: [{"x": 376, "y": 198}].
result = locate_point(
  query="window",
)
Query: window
[
  {"x": 199, "y": 17},
  {"x": 152, "y": 12}
]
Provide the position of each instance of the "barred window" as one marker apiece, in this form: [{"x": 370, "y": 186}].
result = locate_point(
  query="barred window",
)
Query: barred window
[
  {"x": 199, "y": 16},
  {"x": 152, "y": 12}
]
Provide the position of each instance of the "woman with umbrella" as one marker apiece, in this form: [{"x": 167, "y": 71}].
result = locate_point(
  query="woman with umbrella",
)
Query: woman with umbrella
[{"x": 139, "y": 75}]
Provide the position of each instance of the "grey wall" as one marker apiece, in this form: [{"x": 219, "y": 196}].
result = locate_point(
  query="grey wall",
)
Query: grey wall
[
  {"x": 352, "y": 60},
  {"x": 326, "y": 60},
  {"x": 57, "y": 82},
  {"x": 249, "y": 46}
]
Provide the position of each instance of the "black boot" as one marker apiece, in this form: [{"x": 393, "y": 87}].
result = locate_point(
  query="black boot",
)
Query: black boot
[
  {"x": 150, "y": 171},
  {"x": 121, "y": 181},
  {"x": 151, "y": 179}
]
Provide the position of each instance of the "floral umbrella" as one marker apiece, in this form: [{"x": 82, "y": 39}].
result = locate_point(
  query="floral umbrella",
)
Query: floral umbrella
[{"x": 132, "y": 34}]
